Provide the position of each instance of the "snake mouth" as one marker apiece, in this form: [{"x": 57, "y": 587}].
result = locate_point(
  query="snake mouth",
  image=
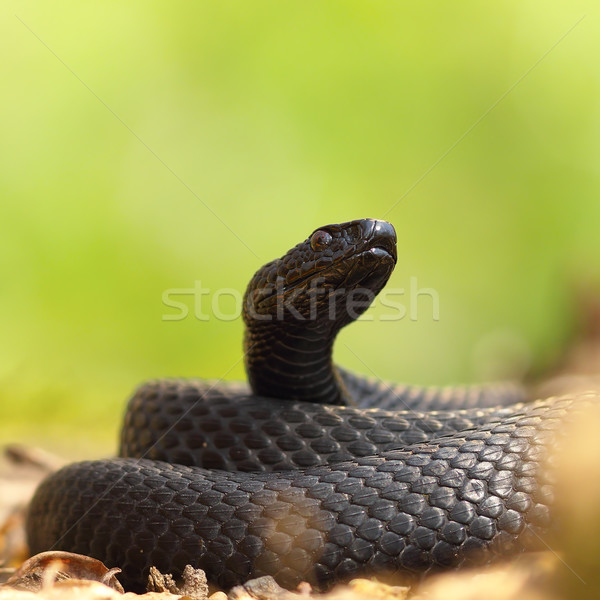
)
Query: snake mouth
[
  {"x": 384, "y": 246},
  {"x": 380, "y": 252},
  {"x": 382, "y": 255}
]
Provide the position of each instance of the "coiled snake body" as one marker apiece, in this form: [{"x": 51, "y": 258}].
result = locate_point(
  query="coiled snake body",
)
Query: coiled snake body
[{"x": 299, "y": 476}]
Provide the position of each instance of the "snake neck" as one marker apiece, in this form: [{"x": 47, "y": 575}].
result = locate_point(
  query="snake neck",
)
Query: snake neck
[
  {"x": 295, "y": 305},
  {"x": 292, "y": 363}
]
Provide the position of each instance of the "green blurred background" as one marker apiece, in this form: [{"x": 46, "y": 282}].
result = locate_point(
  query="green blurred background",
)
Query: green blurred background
[{"x": 148, "y": 145}]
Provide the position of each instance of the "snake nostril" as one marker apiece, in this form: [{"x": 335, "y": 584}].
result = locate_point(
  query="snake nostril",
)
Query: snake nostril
[{"x": 383, "y": 228}]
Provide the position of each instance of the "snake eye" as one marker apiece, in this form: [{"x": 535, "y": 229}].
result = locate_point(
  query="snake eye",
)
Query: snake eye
[{"x": 320, "y": 239}]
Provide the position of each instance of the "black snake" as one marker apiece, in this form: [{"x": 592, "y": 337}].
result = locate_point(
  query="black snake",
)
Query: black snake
[{"x": 299, "y": 476}]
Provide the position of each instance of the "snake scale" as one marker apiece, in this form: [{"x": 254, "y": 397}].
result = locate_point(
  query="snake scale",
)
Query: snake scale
[{"x": 310, "y": 472}]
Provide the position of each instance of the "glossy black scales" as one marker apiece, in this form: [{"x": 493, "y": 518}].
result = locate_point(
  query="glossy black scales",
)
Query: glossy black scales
[
  {"x": 310, "y": 473},
  {"x": 422, "y": 508},
  {"x": 194, "y": 423}
]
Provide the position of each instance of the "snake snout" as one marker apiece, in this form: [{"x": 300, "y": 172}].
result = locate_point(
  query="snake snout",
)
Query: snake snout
[{"x": 382, "y": 237}]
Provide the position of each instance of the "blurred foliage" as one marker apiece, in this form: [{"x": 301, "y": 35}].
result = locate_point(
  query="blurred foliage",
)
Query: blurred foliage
[{"x": 148, "y": 145}]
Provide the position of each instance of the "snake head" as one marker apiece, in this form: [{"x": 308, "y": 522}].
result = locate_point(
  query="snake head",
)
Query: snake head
[{"x": 333, "y": 275}]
